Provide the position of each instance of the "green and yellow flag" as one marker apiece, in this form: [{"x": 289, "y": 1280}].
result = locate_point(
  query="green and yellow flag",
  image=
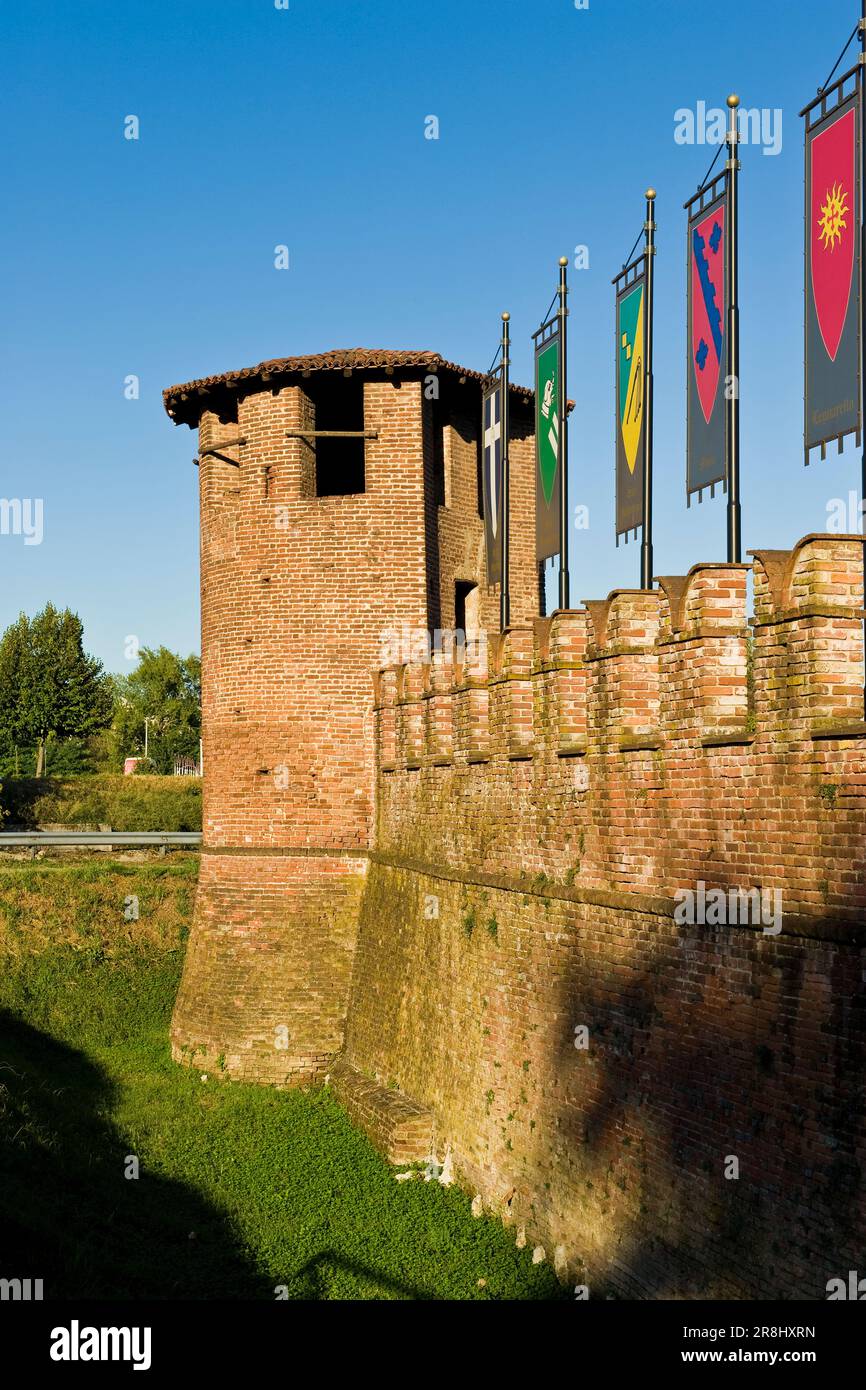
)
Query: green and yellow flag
[
  {"x": 631, "y": 372},
  {"x": 630, "y": 378}
]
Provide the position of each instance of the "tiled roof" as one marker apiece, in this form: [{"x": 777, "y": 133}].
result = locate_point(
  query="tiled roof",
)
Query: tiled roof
[{"x": 185, "y": 403}]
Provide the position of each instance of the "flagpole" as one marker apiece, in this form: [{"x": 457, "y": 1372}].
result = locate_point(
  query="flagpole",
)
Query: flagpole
[
  {"x": 646, "y": 556},
  {"x": 732, "y": 384},
  {"x": 562, "y": 315},
  {"x": 504, "y": 584}
]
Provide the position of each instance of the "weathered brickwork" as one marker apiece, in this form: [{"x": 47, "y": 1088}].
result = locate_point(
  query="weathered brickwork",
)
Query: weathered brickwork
[
  {"x": 523, "y": 888},
  {"x": 702, "y": 1043},
  {"x": 454, "y": 889},
  {"x": 399, "y": 1127},
  {"x": 299, "y": 592},
  {"x": 460, "y": 530},
  {"x": 266, "y": 980}
]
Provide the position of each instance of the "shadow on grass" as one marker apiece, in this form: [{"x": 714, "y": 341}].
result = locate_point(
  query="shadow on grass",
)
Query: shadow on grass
[
  {"x": 68, "y": 1214},
  {"x": 70, "y": 1217},
  {"x": 332, "y": 1275}
]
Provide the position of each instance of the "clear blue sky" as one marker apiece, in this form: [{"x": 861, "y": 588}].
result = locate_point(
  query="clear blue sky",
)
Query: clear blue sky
[{"x": 306, "y": 127}]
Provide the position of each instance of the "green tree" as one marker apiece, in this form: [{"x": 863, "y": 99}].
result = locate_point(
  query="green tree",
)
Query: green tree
[
  {"x": 49, "y": 686},
  {"x": 165, "y": 690}
]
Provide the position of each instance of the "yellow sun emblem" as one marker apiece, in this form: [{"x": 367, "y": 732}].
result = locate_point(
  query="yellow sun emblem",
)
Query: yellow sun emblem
[{"x": 832, "y": 220}]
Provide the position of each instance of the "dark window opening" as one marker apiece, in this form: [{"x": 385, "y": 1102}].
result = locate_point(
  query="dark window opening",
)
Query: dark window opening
[
  {"x": 465, "y": 606},
  {"x": 479, "y": 467},
  {"x": 339, "y": 403}
]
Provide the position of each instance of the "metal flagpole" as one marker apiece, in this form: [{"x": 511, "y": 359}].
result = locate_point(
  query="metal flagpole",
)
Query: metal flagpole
[
  {"x": 732, "y": 384},
  {"x": 562, "y": 315},
  {"x": 504, "y": 585},
  {"x": 646, "y": 554}
]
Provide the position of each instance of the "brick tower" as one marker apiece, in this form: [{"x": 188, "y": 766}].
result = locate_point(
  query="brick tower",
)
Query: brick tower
[{"x": 339, "y": 502}]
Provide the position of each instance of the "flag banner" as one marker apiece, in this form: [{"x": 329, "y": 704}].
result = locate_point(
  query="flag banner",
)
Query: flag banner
[
  {"x": 548, "y": 386},
  {"x": 832, "y": 237},
  {"x": 491, "y": 475},
  {"x": 706, "y": 324},
  {"x": 630, "y": 362}
]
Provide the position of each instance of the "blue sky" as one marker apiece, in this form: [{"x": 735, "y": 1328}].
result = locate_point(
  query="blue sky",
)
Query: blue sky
[{"x": 305, "y": 126}]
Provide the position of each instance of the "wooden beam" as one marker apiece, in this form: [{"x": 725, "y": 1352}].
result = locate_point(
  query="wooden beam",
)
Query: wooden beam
[
  {"x": 223, "y": 444},
  {"x": 215, "y": 452},
  {"x": 332, "y": 434}
]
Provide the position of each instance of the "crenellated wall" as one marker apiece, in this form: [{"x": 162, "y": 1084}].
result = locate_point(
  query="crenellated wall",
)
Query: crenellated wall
[
  {"x": 585, "y": 906},
  {"x": 541, "y": 806},
  {"x": 640, "y": 726}
]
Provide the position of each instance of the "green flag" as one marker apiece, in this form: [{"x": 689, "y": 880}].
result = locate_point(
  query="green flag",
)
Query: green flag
[
  {"x": 630, "y": 372},
  {"x": 548, "y": 386}
]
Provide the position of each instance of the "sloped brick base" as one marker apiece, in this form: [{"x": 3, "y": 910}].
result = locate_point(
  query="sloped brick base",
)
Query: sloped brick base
[
  {"x": 266, "y": 981},
  {"x": 400, "y": 1128}
]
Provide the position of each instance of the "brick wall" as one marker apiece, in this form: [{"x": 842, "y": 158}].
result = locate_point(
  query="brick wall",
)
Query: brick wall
[
  {"x": 535, "y": 823},
  {"x": 298, "y": 592},
  {"x": 430, "y": 891},
  {"x": 459, "y": 541}
]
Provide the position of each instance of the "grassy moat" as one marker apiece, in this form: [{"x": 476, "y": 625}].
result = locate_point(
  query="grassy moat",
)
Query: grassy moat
[{"x": 243, "y": 1191}]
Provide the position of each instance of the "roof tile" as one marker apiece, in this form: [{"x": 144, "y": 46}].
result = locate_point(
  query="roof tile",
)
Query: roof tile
[{"x": 360, "y": 359}]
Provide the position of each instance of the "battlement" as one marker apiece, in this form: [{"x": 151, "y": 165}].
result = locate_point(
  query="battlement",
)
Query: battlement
[
  {"x": 431, "y": 890},
  {"x": 649, "y": 668},
  {"x": 652, "y": 723}
]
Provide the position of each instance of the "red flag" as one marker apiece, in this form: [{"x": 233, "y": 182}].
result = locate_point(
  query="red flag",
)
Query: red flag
[
  {"x": 832, "y": 225},
  {"x": 708, "y": 305}
]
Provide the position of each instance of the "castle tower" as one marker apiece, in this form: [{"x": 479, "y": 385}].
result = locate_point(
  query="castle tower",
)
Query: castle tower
[{"x": 339, "y": 500}]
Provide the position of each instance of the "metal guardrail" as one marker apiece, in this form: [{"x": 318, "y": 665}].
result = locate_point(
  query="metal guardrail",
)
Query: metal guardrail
[{"x": 34, "y": 839}]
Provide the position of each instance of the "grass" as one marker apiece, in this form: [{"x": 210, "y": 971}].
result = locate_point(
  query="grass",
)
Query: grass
[
  {"x": 242, "y": 1190},
  {"x": 124, "y": 803}
]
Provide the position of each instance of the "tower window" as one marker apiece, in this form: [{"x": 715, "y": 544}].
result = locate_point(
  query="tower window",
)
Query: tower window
[
  {"x": 339, "y": 403},
  {"x": 466, "y": 613}
]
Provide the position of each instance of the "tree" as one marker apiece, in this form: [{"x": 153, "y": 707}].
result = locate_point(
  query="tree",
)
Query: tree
[
  {"x": 49, "y": 686},
  {"x": 165, "y": 690}
]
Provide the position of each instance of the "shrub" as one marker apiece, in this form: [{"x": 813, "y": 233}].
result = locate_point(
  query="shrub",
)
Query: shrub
[{"x": 124, "y": 803}]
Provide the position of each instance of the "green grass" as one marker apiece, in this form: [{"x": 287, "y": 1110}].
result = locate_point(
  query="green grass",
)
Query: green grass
[
  {"x": 124, "y": 803},
  {"x": 242, "y": 1189}
]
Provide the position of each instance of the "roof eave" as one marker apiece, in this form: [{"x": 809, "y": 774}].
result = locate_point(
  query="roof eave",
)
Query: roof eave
[{"x": 185, "y": 403}]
